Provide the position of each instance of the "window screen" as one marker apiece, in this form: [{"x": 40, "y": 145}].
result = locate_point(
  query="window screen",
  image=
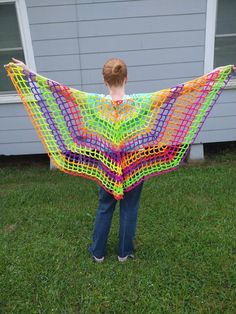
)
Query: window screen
[
  {"x": 10, "y": 42},
  {"x": 225, "y": 41}
]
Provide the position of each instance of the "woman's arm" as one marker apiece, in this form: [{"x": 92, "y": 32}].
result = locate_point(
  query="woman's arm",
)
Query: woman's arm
[
  {"x": 28, "y": 71},
  {"x": 23, "y": 66}
]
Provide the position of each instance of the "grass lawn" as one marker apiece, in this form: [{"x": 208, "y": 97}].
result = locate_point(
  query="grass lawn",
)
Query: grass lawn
[{"x": 186, "y": 244}]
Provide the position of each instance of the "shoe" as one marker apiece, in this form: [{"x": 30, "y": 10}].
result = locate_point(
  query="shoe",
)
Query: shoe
[
  {"x": 97, "y": 260},
  {"x": 94, "y": 258},
  {"x": 124, "y": 259}
]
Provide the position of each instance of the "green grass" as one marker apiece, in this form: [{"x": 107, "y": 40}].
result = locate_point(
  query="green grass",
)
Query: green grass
[{"x": 186, "y": 244}]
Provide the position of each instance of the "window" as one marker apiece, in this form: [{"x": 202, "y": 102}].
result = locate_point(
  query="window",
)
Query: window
[
  {"x": 10, "y": 41},
  {"x": 225, "y": 39},
  {"x": 15, "y": 41}
]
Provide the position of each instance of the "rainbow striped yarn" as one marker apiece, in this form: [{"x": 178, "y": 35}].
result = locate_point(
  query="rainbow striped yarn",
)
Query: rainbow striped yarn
[{"x": 117, "y": 143}]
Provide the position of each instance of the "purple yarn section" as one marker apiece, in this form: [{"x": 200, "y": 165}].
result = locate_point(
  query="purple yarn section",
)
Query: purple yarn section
[
  {"x": 35, "y": 89},
  {"x": 90, "y": 161}
]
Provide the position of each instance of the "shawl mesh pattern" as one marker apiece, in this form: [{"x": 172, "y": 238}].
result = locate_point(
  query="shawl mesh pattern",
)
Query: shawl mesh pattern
[{"x": 117, "y": 143}]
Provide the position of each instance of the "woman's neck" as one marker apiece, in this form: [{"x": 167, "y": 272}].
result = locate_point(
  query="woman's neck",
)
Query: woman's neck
[{"x": 117, "y": 92}]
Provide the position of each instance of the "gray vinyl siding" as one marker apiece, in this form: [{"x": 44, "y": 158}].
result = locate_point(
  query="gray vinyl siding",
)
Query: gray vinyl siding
[
  {"x": 162, "y": 42},
  {"x": 17, "y": 135}
]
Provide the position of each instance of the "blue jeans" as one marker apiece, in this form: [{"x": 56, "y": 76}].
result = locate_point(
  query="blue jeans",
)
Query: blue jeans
[{"x": 128, "y": 220}]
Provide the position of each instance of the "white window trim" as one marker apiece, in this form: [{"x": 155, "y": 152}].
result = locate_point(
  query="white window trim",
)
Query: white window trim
[
  {"x": 21, "y": 11},
  {"x": 211, "y": 16}
]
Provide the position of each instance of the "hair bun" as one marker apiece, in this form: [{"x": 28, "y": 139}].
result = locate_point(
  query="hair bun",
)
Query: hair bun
[
  {"x": 116, "y": 68},
  {"x": 114, "y": 72}
]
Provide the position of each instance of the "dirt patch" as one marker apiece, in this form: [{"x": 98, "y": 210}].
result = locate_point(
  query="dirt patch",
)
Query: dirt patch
[{"x": 9, "y": 228}]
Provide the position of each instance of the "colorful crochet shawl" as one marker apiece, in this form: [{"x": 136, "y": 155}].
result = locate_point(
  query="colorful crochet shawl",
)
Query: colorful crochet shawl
[{"x": 117, "y": 143}]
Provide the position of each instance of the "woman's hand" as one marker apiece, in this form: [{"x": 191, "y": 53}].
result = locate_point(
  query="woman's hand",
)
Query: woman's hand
[{"x": 21, "y": 64}]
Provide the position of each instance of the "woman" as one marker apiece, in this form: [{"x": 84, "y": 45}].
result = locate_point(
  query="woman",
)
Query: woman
[{"x": 115, "y": 78}]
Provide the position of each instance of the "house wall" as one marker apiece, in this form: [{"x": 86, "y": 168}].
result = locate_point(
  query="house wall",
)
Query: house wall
[{"x": 162, "y": 42}]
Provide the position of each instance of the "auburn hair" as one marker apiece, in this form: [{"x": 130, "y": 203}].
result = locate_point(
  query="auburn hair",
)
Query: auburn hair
[{"x": 114, "y": 72}]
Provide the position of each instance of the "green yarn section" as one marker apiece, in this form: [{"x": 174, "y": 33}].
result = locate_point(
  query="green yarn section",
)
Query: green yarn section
[{"x": 206, "y": 105}]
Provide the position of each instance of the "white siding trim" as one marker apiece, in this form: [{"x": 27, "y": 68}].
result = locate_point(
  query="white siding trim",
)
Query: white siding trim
[
  {"x": 196, "y": 151},
  {"x": 24, "y": 28},
  {"x": 10, "y": 99},
  {"x": 25, "y": 33},
  {"x": 211, "y": 14}
]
